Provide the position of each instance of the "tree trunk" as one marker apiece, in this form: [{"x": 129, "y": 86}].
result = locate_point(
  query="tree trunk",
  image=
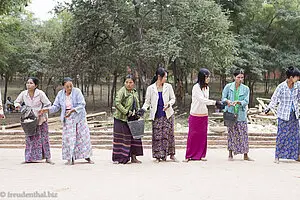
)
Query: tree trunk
[
  {"x": 93, "y": 94},
  {"x": 82, "y": 88},
  {"x": 108, "y": 90},
  {"x": 266, "y": 78},
  {"x": 48, "y": 85},
  {"x": 101, "y": 92},
  {"x": 114, "y": 88},
  {"x": 251, "y": 99},
  {"x": 5, "y": 88}
]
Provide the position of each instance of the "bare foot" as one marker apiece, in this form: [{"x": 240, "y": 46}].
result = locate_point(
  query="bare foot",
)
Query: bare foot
[
  {"x": 136, "y": 161},
  {"x": 70, "y": 162},
  {"x": 276, "y": 160},
  {"x": 89, "y": 160},
  {"x": 157, "y": 160},
  {"x": 203, "y": 159},
  {"x": 173, "y": 159},
  {"x": 246, "y": 157},
  {"x": 230, "y": 158},
  {"x": 49, "y": 162},
  {"x": 186, "y": 160}
]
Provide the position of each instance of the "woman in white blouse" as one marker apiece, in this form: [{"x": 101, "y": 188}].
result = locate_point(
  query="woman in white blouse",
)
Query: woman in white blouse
[
  {"x": 160, "y": 97},
  {"x": 37, "y": 146},
  {"x": 198, "y": 119}
]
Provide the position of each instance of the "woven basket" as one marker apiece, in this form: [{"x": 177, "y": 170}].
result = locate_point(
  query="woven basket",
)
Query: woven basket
[{"x": 136, "y": 128}]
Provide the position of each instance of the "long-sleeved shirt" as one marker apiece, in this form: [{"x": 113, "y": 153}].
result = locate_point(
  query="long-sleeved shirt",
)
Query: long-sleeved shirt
[
  {"x": 124, "y": 102},
  {"x": 243, "y": 97},
  {"x": 37, "y": 102},
  {"x": 285, "y": 98},
  {"x": 200, "y": 100},
  {"x": 78, "y": 104}
]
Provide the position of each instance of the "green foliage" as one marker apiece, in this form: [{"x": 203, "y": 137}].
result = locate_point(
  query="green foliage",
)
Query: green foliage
[{"x": 8, "y": 6}]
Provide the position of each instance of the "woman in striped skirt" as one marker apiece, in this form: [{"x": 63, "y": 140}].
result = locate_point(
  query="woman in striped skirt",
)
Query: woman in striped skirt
[{"x": 125, "y": 147}]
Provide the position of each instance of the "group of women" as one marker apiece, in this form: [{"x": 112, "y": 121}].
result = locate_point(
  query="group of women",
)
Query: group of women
[
  {"x": 76, "y": 142},
  {"x": 159, "y": 100},
  {"x": 235, "y": 99}
]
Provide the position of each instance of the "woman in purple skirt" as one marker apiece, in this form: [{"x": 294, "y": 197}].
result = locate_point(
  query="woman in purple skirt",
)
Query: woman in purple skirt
[
  {"x": 236, "y": 96},
  {"x": 198, "y": 120},
  {"x": 160, "y": 97},
  {"x": 37, "y": 146}
]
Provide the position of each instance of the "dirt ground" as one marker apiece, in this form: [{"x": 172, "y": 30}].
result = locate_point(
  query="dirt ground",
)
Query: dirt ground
[{"x": 215, "y": 179}]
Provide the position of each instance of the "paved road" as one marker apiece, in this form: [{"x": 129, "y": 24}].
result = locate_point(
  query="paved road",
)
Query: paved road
[{"x": 215, "y": 179}]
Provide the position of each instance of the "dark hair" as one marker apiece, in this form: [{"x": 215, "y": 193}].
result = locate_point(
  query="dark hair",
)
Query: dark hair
[
  {"x": 130, "y": 76},
  {"x": 161, "y": 72},
  {"x": 35, "y": 80},
  {"x": 66, "y": 79},
  {"x": 203, "y": 73},
  {"x": 237, "y": 72},
  {"x": 292, "y": 71}
]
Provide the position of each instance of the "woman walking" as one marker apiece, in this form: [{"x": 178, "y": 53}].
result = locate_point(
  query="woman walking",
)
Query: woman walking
[
  {"x": 127, "y": 105},
  {"x": 160, "y": 97},
  {"x": 236, "y": 96},
  {"x": 37, "y": 146},
  {"x": 286, "y": 96},
  {"x": 76, "y": 143}
]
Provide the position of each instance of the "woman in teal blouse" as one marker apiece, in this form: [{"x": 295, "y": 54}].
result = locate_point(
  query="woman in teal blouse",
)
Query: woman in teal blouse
[{"x": 236, "y": 96}]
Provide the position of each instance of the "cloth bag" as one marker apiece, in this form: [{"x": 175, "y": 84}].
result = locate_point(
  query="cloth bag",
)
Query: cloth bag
[
  {"x": 29, "y": 121},
  {"x": 136, "y": 128},
  {"x": 229, "y": 118}
]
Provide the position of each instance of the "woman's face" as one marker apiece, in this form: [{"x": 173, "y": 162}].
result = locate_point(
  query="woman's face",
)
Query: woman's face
[
  {"x": 164, "y": 78},
  {"x": 129, "y": 84},
  {"x": 295, "y": 79},
  {"x": 239, "y": 79},
  {"x": 207, "y": 79},
  {"x": 30, "y": 85},
  {"x": 68, "y": 86}
]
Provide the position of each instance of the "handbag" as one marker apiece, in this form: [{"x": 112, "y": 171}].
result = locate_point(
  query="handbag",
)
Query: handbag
[
  {"x": 29, "y": 121},
  {"x": 229, "y": 118},
  {"x": 136, "y": 128}
]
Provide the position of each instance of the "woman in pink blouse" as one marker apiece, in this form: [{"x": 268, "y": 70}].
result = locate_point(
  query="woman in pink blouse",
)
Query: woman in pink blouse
[{"x": 37, "y": 146}]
